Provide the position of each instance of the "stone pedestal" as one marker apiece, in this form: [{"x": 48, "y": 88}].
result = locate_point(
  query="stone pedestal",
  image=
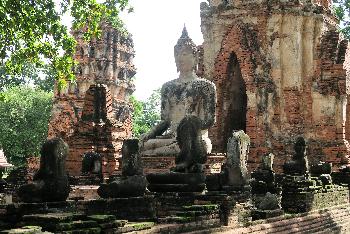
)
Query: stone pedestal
[
  {"x": 301, "y": 194},
  {"x": 132, "y": 183},
  {"x": 176, "y": 182}
]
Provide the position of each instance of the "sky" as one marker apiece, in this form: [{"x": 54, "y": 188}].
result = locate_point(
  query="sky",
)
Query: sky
[{"x": 155, "y": 26}]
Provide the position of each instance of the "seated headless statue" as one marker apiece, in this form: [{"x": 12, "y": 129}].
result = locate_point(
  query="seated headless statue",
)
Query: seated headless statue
[{"x": 188, "y": 95}]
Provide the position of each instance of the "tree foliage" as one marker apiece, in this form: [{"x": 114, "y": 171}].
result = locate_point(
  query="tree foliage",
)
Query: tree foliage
[
  {"x": 43, "y": 78},
  {"x": 31, "y": 31},
  {"x": 24, "y": 116},
  {"x": 146, "y": 113},
  {"x": 341, "y": 9}
]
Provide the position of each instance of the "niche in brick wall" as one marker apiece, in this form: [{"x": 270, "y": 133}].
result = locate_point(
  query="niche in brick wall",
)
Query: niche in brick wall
[{"x": 235, "y": 100}]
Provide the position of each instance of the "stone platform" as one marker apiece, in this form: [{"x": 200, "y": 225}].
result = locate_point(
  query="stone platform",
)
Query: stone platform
[
  {"x": 162, "y": 164},
  {"x": 310, "y": 194}
]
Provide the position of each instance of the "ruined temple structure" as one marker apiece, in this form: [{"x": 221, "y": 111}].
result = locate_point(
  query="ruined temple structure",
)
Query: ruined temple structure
[
  {"x": 104, "y": 72},
  {"x": 279, "y": 71}
]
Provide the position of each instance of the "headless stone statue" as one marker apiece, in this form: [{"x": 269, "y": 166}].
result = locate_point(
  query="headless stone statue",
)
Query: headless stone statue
[
  {"x": 132, "y": 183},
  {"x": 188, "y": 95},
  {"x": 50, "y": 183},
  {"x": 299, "y": 164},
  {"x": 92, "y": 163},
  {"x": 234, "y": 171},
  {"x": 192, "y": 154}
]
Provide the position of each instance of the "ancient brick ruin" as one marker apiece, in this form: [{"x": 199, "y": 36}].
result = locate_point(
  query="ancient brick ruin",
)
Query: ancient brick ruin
[
  {"x": 105, "y": 69},
  {"x": 279, "y": 71}
]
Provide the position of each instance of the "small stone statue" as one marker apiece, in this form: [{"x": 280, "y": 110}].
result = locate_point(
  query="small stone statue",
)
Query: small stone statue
[
  {"x": 131, "y": 160},
  {"x": 299, "y": 164},
  {"x": 267, "y": 162},
  {"x": 50, "y": 183},
  {"x": 263, "y": 179},
  {"x": 132, "y": 183},
  {"x": 323, "y": 171},
  {"x": 234, "y": 171},
  {"x": 92, "y": 163},
  {"x": 269, "y": 202},
  {"x": 188, "y": 95}
]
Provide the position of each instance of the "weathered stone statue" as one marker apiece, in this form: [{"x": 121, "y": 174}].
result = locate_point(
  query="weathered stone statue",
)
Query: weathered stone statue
[
  {"x": 234, "y": 171},
  {"x": 299, "y": 164},
  {"x": 50, "y": 183},
  {"x": 188, "y": 95},
  {"x": 92, "y": 163},
  {"x": 132, "y": 183},
  {"x": 187, "y": 111},
  {"x": 323, "y": 171},
  {"x": 263, "y": 179}
]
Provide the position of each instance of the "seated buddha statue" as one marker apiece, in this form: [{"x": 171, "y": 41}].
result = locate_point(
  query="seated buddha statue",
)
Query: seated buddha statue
[{"x": 186, "y": 97}]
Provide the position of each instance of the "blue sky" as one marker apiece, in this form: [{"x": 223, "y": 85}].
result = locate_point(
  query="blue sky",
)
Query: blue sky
[{"x": 156, "y": 25}]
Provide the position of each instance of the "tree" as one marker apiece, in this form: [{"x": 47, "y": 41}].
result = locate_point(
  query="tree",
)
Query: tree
[
  {"x": 146, "y": 113},
  {"x": 31, "y": 31},
  {"x": 24, "y": 117},
  {"x": 43, "y": 78},
  {"x": 341, "y": 9}
]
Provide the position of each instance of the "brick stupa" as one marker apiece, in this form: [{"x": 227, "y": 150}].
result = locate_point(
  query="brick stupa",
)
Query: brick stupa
[{"x": 104, "y": 73}]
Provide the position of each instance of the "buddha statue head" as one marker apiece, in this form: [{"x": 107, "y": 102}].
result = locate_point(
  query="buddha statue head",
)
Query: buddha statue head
[{"x": 185, "y": 52}]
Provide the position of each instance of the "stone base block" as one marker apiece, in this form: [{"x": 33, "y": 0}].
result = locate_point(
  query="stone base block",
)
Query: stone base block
[
  {"x": 265, "y": 214},
  {"x": 176, "y": 178},
  {"x": 176, "y": 182},
  {"x": 182, "y": 188}
]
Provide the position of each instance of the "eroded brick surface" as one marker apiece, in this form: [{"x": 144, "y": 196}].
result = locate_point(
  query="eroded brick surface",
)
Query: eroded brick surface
[
  {"x": 291, "y": 59},
  {"x": 107, "y": 61}
]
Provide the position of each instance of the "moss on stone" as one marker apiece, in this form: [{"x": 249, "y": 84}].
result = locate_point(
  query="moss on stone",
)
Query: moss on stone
[
  {"x": 76, "y": 225},
  {"x": 113, "y": 224},
  {"x": 25, "y": 229},
  {"x": 102, "y": 218},
  {"x": 140, "y": 226},
  {"x": 96, "y": 230},
  {"x": 52, "y": 217},
  {"x": 207, "y": 207}
]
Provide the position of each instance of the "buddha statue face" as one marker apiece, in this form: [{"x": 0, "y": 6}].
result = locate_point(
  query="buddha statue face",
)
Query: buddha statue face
[
  {"x": 185, "y": 60},
  {"x": 185, "y": 52}
]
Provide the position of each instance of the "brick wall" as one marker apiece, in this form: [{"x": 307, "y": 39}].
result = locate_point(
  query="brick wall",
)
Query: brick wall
[
  {"x": 291, "y": 59},
  {"x": 106, "y": 60}
]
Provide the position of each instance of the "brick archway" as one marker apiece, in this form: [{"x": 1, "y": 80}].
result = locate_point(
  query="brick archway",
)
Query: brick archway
[{"x": 242, "y": 43}]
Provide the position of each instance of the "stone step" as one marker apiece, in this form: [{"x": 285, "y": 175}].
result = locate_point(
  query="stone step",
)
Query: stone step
[
  {"x": 198, "y": 226},
  {"x": 340, "y": 228},
  {"x": 72, "y": 226},
  {"x": 130, "y": 227},
  {"x": 326, "y": 219},
  {"x": 53, "y": 218},
  {"x": 187, "y": 219},
  {"x": 333, "y": 224},
  {"x": 207, "y": 208},
  {"x": 298, "y": 224},
  {"x": 82, "y": 231},
  {"x": 301, "y": 223},
  {"x": 23, "y": 230}
]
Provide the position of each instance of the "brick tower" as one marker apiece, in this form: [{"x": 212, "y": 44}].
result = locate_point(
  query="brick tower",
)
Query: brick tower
[{"x": 105, "y": 66}]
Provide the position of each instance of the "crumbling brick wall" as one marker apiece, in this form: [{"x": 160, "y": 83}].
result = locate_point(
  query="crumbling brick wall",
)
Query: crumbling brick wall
[
  {"x": 106, "y": 60},
  {"x": 97, "y": 131},
  {"x": 291, "y": 59}
]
